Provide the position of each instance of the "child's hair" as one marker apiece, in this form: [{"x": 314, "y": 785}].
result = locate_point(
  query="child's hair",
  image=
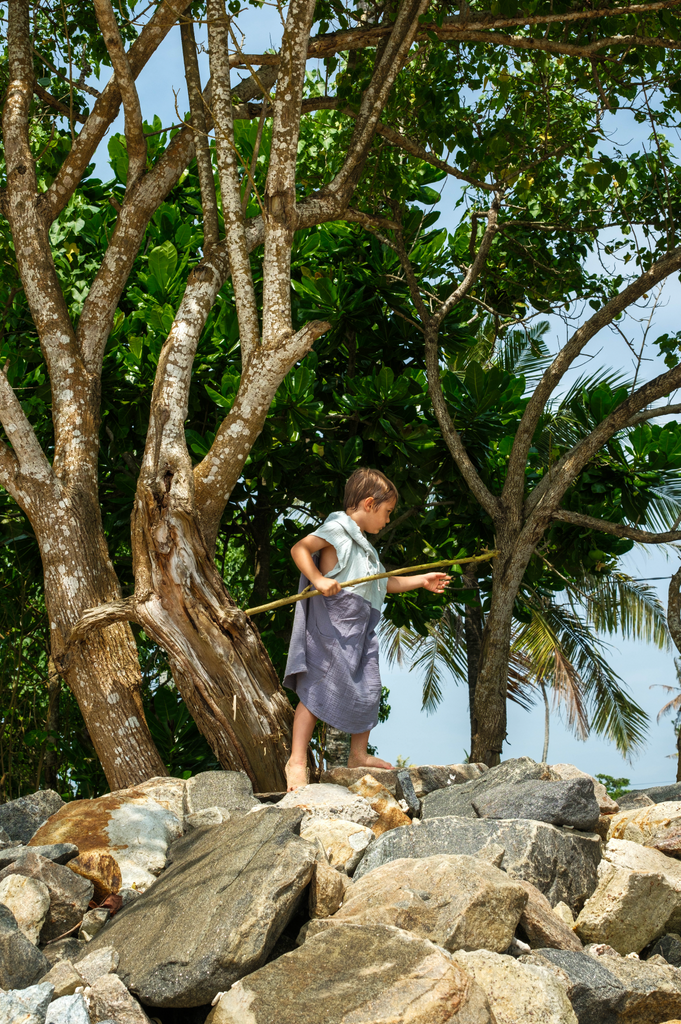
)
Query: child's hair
[{"x": 368, "y": 483}]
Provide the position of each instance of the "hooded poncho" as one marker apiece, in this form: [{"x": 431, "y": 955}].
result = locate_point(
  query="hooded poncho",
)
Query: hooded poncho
[{"x": 333, "y": 657}]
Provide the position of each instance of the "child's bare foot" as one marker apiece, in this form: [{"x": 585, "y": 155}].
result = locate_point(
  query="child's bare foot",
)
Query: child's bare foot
[
  {"x": 296, "y": 775},
  {"x": 367, "y": 761}
]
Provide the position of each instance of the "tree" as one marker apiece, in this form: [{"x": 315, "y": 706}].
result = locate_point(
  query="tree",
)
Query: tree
[{"x": 217, "y": 658}]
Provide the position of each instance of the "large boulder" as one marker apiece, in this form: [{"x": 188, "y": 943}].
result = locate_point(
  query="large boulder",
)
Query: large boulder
[
  {"x": 625, "y": 854},
  {"x": 215, "y": 913},
  {"x": 390, "y": 814},
  {"x": 343, "y": 842},
  {"x": 570, "y": 802},
  {"x": 29, "y": 901},
  {"x": 69, "y": 893},
  {"x": 518, "y": 993},
  {"x": 22, "y": 817},
  {"x": 562, "y": 864},
  {"x": 658, "y": 825},
  {"x": 424, "y": 778},
  {"x": 135, "y": 826},
  {"x": 456, "y": 902},
  {"x": 628, "y": 909},
  {"x": 661, "y": 794},
  {"x": 458, "y": 800},
  {"x": 541, "y": 926},
  {"x": 230, "y": 790},
  {"x": 323, "y": 800},
  {"x": 357, "y": 975},
  {"x": 615, "y": 990},
  {"x": 605, "y": 801},
  {"x": 21, "y": 964},
  {"x": 26, "y": 1006}
]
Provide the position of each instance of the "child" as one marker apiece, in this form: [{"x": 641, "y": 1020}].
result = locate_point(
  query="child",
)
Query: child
[{"x": 333, "y": 657}]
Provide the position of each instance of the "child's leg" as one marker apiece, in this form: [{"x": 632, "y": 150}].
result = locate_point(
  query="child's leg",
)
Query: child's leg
[
  {"x": 303, "y": 727},
  {"x": 358, "y": 753}
]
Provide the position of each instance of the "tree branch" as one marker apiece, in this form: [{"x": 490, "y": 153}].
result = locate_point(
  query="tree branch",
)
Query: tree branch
[
  {"x": 52, "y": 101},
  {"x": 102, "y": 615},
  {"x": 649, "y": 414},
  {"x": 674, "y": 609},
  {"x": 134, "y": 131},
  {"x": 200, "y": 134},
  {"x": 476, "y": 267},
  {"x": 616, "y": 529},
  {"x": 31, "y": 460}
]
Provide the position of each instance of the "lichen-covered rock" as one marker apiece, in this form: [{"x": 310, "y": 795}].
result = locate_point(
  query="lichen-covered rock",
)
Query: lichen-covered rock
[
  {"x": 357, "y": 975},
  {"x": 215, "y": 913},
  {"x": 328, "y": 801},
  {"x": 231, "y": 790},
  {"x": 29, "y": 901},
  {"x": 562, "y": 865},
  {"x": 69, "y": 893},
  {"x": 456, "y": 902},
  {"x": 457, "y": 800},
  {"x": 650, "y": 826},
  {"x": 26, "y": 1006},
  {"x": 518, "y": 993},
  {"x": 22, "y": 817},
  {"x": 100, "y": 868},
  {"x": 343, "y": 842},
  {"x": 564, "y": 802},
  {"x": 21, "y": 964},
  {"x": 135, "y": 826},
  {"x": 628, "y": 909},
  {"x": 390, "y": 814}
]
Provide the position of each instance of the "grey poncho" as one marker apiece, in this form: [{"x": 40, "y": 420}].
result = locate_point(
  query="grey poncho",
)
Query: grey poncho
[{"x": 333, "y": 657}]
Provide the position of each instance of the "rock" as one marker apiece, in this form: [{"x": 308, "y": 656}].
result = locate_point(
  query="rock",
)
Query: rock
[
  {"x": 561, "y": 864},
  {"x": 100, "y": 868},
  {"x": 65, "y": 979},
  {"x": 135, "y": 826},
  {"x": 562, "y": 911},
  {"x": 129, "y": 896},
  {"x": 602, "y": 826},
  {"x": 457, "y": 902},
  {"x": 457, "y": 800},
  {"x": 623, "y": 853},
  {"x": 518, "y": 993},
  {"x": 631, "y": 801},
  {"x": 605, "y": 801},
  {"x": 424, "y": 778},
  {"x": 628, "y": 909},
  {"x": 208, "y": 816},
  {"x": 353, "y": 975},
  {"x": 617, "y": 990},
  {"x": 661, "y": 794},
  {"x": 22, "y": 817},
  {"x": 669, "y": 946},
  {"x": 93, "y": 922},
  {"x": 29, "y": 901},
  {"x": 343, "y": 842},
  {"x": 60, "y": 853},
  {"x": 70, "y": 1009},
  {"x": 216, "y": 912},
  {"x": 21, "y": 964},
  {"x": 650, "y": 826},
  {"x": 69, "y": 894},
  {"x": 327, "y": 801},
  {"x": 404, "y": 790},
  {"x": 571, "y": 802},
  {"x": 390, "y": 814},
  {"x": 27, "y": 1006},
  {"x": 64, "y": 949},
  {"x": 231, "y": 790},
  {"x": 96, "y": 964},
  {"x": 327, "y": 889},
  {"x": 542, "y": 926},
  {"x": 109, "y": 1000}
]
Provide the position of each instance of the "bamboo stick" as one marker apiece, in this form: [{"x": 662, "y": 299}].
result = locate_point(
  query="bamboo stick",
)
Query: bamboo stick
[{"x": 303, "y": 596}]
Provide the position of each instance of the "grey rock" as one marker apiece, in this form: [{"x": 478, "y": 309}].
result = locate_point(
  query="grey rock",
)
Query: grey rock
[
  {"x": 669, "y": 946},
  {"x": 570, "y": 802},
  {"x": 216, "y": 912},
  {"x": 69, "y": 893},
  {"x": 93, "y": 922},
  {"x": 60, "y": 853},
  {"x": 65, "y": 979},
  {"x": 457, "y": 800},
  {"x": 5, "y": 838},
  {"x": 617, "y": 990},
  {"x": 22, "y": 817},
  {"x": 96, "y": 964},
  {"x": 109, "y": 1000},
  {"x": 357, "y": 975},
  {"x": 129, "y": 896},
  {"x": 21, "y": 963},
  {"x": 404, "y": 790},
  {"x": 208, "y": 816},
  {"x": 68, "y": 1010},
  {"x": 658, "y": 794},
  {"x": 64, "y": 949},
  {"x": 27, "y": 1006},
  {"x": 628, "y": 801},
  {"x": 231, "y": 790},
  {"x": 562, "y": 864}
]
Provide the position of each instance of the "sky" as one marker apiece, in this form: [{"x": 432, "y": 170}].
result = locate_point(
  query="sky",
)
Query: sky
[{"x": 443, "y": 738}]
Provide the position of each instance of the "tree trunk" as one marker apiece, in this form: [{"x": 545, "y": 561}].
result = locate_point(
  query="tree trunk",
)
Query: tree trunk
[
  {"x": 261, "y": 531},
  {"x": 473, "y": 626},
  {"x": 52, "y": 726}
]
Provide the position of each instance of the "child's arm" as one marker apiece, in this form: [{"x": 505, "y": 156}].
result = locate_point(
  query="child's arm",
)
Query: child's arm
[
  {"x": 302, "y": 553},
  {"x": 433, "y": 581}
]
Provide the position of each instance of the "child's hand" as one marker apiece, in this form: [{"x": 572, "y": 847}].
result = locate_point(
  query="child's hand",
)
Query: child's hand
[
  {"x": 327, "y": 587},
  {"x": 436, "y": 582}
]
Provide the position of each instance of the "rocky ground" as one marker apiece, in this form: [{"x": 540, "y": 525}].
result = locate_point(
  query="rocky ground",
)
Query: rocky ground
[{"x": 513, "y": 895}]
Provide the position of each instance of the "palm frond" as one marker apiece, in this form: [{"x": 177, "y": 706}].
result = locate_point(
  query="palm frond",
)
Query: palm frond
[{"x": 617, "y": 603}]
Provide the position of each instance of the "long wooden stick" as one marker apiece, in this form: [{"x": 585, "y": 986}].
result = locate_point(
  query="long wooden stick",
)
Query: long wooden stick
[{"x": 303, "y": 596}]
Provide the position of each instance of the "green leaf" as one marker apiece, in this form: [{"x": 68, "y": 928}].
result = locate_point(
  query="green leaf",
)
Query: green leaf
[{"x": 163, "y": 263}]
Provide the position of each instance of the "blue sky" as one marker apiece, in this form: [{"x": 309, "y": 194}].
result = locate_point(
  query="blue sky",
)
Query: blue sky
[{"x": 444, "y": 737}]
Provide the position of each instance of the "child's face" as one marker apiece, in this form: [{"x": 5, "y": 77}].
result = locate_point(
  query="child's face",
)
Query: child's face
[{"x": 376, "y": 517}]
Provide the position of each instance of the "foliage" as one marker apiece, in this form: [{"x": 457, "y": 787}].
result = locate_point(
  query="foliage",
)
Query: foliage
[{"x": 615, "y": 787}]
